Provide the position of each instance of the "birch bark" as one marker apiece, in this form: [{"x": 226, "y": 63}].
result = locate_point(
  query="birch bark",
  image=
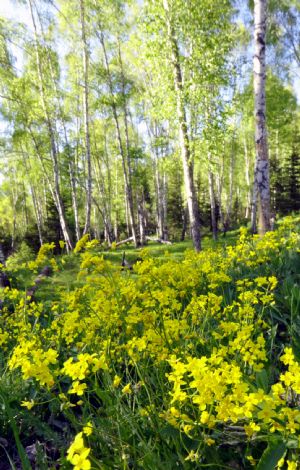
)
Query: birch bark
[
  {"x": 189, "y": 185},
  {"x": 86, "y": 119},
  {"x": 55, "y": 187},
  {"x": 247, "y": 178},
  {"x": 129, "y": 206},
  {"x": 261, "y": 173}
]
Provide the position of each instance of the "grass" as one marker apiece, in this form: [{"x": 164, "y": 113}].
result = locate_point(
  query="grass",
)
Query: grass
[{"x": 66, "y": 279}]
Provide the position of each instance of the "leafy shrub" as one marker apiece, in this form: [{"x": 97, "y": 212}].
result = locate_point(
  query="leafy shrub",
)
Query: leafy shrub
[{"x": 20, "y": 257}]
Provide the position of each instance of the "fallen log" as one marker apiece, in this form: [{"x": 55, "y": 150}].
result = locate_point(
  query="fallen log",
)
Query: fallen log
[
  {"x": 122, "y": 242},
  {"x": 151, "y": 239},
  {"x": 159, "y": 240}
]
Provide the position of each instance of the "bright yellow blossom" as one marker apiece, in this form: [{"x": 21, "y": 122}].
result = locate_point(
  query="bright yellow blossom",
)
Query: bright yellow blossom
[
  {"x": 291, "y": 465},
  {"x": 88, "y": 428},
  {"x": 127, "y": 389},
  {"x": 78, "y": 388},
  {"x": 28, "y": 404},
  {"x": 77, "y": 454},
  {"x": 117, "y": 381}
]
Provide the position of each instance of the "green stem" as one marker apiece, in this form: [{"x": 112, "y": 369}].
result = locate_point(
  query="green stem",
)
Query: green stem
[{"x": 21, "y": 451}]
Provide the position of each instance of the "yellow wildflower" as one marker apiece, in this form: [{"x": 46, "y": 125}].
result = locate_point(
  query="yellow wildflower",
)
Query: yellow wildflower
[
  {"x": 88, "y": 428},
  {"x": 77, "y": 454},
  {"x": 291, "y": 465},
  {"x": 28, "y": 404},
  {"x": 78, "y": 388},
  {"x": 127, "y": 389},
  {"x": 117, "y": 381},
  {"x": 251, "y": 428},
  {"x": 193, "y": 456}
]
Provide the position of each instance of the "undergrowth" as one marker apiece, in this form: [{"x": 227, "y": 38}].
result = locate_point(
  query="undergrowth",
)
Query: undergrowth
[{"x": 187, "y": 361}]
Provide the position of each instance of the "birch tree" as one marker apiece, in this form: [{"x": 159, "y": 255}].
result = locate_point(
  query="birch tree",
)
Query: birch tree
[
  {"x": 261, "y": 175},
  {"x": 55, "y": 185},
  {"x": 187, "y": 164},
  {"x": 86, "y": 117}
]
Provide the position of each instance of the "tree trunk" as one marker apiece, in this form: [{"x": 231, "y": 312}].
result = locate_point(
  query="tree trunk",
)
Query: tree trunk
[
  {"x": 128, "y": 176},
  {"x": 37, "y": 214},
  {"x": 71, "y": 162},
  {"x": 55, "y": 189},
  {"x": 124, "y": 154},
  {"x": 159, "y": 196},
  {"x": 116, "y": 215},
  {"x": 254, "y": 208},
  {"x": 14, "y": 200},
  {"x": 190, "y": 191},
  {"x": 86, "y": 120},
  {"x": 165, "y": 232},
  {"x": 160, "y": 184},
  {"x": 26, "y": 215},
  {"x": 142, "y": 220},
  {"x": 219, "y": 184},
  {"x": 36, "y": 206},
  {"x": 261, "y": 174},
  {"x": 74, "y": 199},
  {"x": 213, "y": 209},
  {"x": 247, "y": 178},
  {"x": 105, "y": 210},
  {"x": 228, "y": 214},
  {"x": 185, "y": 214}
]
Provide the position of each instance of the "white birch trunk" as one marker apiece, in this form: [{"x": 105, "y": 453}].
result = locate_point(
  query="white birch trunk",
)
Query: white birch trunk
[
  {"x": 55, "y": 188},
  {"x": 124, "y": 154},
  {"x": 261, "y": 175},
  {"x": 165, "y": 207},
  {"x": 247, "y": 178},
  {"x": 219, "y": 184},
  {"x": 191, "y": 196},
  {"x": 229, "y": 201},
  {"x": 212, "y": 198},
  {"x": 86, "y": 120}
]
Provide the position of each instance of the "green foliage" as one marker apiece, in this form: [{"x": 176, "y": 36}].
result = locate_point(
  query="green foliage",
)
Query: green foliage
[
  {"x": 271, "y": 456},
  {"x": 23, "y": 254},
  {"x": 189, "y": 360}
]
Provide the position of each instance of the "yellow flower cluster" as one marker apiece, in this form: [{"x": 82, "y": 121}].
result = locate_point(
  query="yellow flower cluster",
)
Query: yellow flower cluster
[
  {"x": 78, "y": 454},
  {"x": 34, "y": 361},
  {"x": 189, "y": 343},
  {"x": 80, "y": 245},
  {"x": 42, "y": 256}
]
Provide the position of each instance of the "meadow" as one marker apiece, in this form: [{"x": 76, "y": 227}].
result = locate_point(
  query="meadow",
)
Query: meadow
[{"x": 185, "y": 361}]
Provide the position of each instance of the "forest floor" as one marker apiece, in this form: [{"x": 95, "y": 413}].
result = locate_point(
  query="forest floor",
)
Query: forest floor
[
  {"x": 186, "y": 361},
  {"x": 67, "y": 279}
]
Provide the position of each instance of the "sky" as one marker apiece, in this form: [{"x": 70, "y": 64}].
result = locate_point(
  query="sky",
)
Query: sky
[{"x": 14, "y": 11}]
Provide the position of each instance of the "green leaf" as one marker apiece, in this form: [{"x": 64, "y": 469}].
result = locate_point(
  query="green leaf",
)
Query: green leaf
[
  {"x": 169, "y": 431},
  {"x": 292, "y": 443},
  {"x": 21, "y": 451},
  {"x": 272, "y": 454},
  {"x": 262, "y": 380}
]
